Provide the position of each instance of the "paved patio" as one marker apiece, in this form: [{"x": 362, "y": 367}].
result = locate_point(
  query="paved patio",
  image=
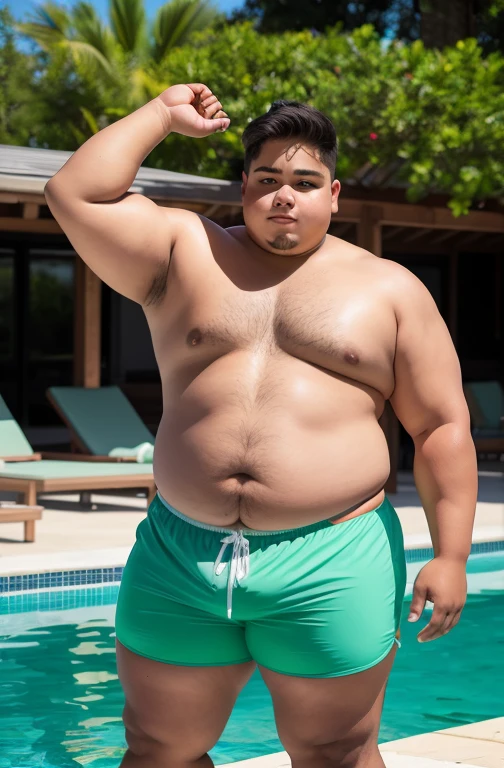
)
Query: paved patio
[
  {"x": 111, "y": 522},
  {"x": 478, "y": 744}
]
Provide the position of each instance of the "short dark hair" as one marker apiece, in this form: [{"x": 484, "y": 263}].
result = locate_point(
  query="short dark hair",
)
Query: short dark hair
[{"x": 292, "y": 120}]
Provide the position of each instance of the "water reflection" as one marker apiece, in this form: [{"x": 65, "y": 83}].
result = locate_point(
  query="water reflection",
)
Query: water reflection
[{"x": 61, "y": 701}]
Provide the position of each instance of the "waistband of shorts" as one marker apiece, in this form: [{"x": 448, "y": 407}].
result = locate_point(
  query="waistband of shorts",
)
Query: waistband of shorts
[{"x": 253, "y": 532}]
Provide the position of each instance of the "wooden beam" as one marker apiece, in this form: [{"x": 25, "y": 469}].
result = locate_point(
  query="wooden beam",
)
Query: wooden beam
[
  {"x": 38, "y": 226},
  {"x": 31, "y": 211},
  {"x": 18, "y": 197},
  {"x": 369, "y": 229},
  {"x": 409, "y": 215},
  {"x": 87, "y": 339}
]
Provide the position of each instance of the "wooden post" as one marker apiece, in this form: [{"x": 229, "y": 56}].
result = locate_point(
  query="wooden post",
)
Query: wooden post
[
  {"x": 87, "y": 339},
  {"x": 369, "y": 236},
  {"x": 369, "y": 229},
  {"x": 29, "y": 530}
]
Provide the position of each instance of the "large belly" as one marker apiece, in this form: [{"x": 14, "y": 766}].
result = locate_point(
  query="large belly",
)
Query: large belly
[{"x": 270, "y": 445}]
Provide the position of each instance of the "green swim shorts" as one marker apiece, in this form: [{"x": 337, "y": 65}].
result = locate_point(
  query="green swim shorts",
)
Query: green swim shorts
[{"x": 320, "y": 601}]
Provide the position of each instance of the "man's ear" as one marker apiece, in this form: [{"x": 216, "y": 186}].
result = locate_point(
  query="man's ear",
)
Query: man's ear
[
  {"x": 244, "y": 182},
  {"x": 335, "y": 190}
]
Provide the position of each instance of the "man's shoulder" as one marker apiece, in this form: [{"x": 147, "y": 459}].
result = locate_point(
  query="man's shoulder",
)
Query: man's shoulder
[{"x": 386, "y": 271}]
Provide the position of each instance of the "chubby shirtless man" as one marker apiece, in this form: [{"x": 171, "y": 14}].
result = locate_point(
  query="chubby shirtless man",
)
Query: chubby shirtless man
[{"x": 270, "y": 543}]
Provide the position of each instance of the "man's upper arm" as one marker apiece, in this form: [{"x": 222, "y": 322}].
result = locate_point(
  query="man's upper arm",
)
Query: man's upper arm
[
  {"x": 428, "y": 385},
  {"x": 127, "y": 242}
]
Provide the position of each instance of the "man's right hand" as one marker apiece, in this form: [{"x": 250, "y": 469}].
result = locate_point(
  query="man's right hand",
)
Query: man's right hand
[{"x": 194, "y": 110}]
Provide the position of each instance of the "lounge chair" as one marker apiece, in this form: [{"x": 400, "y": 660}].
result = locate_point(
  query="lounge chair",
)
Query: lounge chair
[
  {"x": 485, "y": 400},
  {"x": 29, "y": 473},
  {"x": 99, "y": 420},
  {"x": 13, "y": 513}
]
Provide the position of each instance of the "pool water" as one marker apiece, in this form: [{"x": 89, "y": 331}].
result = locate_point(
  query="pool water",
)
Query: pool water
[{"x": 61, "y": 701}]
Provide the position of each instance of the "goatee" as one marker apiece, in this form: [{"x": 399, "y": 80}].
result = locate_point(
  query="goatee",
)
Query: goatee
[{"x": 283, "y": 243}]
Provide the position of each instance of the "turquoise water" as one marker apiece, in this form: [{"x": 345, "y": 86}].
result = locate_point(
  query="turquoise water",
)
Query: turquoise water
[{"x": 61, "y": 702}]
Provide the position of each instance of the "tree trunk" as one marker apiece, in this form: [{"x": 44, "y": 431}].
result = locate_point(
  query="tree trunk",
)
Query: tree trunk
[{"x": 444, "y": 23}]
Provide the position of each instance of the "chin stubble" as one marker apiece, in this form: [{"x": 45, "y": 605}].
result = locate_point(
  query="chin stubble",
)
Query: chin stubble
[{"x": 283, "y": 243}]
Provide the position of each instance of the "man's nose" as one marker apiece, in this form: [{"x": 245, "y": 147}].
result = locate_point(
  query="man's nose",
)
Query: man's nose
[{"x": 284, "y": 195}]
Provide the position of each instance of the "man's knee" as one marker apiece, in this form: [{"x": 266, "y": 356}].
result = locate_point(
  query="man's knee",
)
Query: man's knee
[
  {"x": 349, "y": 751},
  {"x": 145, "y": 741}
]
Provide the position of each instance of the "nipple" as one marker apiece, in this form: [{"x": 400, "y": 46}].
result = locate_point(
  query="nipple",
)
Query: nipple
[
  {"x": 194, "y": 337},
  {"x": 351, "y": 357}
]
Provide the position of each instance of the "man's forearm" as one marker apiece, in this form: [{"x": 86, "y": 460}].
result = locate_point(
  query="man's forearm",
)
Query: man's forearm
[
  {"x": 446, "y": 477},
  {"x": 105, "y": 166}
]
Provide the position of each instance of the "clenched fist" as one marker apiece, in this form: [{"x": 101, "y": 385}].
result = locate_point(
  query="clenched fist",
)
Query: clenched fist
[{"x": 194, "y": 110}]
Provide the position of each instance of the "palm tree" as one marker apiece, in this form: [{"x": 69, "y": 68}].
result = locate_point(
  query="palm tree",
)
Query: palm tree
[{"x": 128, "y": 48}]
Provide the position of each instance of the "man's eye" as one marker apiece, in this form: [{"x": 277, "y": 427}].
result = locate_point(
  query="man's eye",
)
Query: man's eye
[{"x": 301, "y": 182}]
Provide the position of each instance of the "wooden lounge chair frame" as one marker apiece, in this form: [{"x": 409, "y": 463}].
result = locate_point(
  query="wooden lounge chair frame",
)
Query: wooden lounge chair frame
[
  {"x": 13, "y": 513},
  {"x": 79, "y": 481},
  {"x": 28, "y": 488}
]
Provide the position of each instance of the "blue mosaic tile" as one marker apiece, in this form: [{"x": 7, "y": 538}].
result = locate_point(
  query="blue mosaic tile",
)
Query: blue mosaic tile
[
  {"x": 53, "y": 601},
  {"x": 80, "y": 578},
  {"x": 479, "y": 548},
  {"x": 56, "y": 579}
]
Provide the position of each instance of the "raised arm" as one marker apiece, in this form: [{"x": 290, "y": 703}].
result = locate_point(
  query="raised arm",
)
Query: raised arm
[
  {"x": 126, "y": 239},
  {"x": 429, "y": 401}
]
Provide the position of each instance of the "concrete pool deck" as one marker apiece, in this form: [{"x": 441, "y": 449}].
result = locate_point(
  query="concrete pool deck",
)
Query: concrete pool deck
[
  {"x": 70, "y": 536},
  {"x": 467, "y": 746}
]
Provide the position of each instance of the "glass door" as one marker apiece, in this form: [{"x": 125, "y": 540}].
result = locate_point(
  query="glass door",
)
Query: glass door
[
  {"x": 9, "y": 357},
  {"x": 50, "y": 329}
]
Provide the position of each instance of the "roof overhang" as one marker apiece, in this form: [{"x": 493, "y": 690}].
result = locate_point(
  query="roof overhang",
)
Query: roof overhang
[{"x": 26, "y": 170}]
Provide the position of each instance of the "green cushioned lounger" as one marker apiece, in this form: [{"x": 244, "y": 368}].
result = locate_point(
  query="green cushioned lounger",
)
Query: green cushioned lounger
[
  {"x": 100, "y": 418},
  {"x": 31, "y": 476}
]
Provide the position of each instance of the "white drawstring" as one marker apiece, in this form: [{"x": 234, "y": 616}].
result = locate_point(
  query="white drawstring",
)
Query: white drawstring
[{"x": 239, "y": 566}]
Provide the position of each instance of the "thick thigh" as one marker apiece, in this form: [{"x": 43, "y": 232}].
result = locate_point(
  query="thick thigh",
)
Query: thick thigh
[
  {"x": 333, "y": 717},
  {"x": 173, "y": 710},
  {"x": 336, "y": 601}
]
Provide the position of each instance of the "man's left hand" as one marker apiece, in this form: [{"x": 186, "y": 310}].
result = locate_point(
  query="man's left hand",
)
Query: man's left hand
[{"x": 443, "y": 582}]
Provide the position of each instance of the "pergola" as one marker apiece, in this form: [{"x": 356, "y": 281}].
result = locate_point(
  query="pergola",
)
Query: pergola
[{"x": 373, "y": 213}]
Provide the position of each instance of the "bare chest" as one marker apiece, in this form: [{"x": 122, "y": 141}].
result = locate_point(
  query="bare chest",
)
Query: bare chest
[{"x": 323, "y": 318}]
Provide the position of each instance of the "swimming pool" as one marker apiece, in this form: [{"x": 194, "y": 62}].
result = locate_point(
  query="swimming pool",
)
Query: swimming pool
[{"x": 61, "y": 702}]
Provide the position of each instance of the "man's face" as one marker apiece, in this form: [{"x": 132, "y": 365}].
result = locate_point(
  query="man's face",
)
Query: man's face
[{"x": 275, "y": 186}]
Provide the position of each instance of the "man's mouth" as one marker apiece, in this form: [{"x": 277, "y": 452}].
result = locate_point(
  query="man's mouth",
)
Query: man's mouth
[{"x": 282, "y": 219}]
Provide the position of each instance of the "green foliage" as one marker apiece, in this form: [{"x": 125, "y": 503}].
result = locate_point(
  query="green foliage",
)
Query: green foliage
[
  {"x": 436, "y": 116},
  {"x": 129, "y": 41},
  {"x": 16, "y": 74},
  {"x": 272, "y": 16}
]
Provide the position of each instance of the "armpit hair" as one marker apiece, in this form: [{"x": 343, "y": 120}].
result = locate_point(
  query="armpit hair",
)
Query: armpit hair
[{"x": 157, "y": 290}]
